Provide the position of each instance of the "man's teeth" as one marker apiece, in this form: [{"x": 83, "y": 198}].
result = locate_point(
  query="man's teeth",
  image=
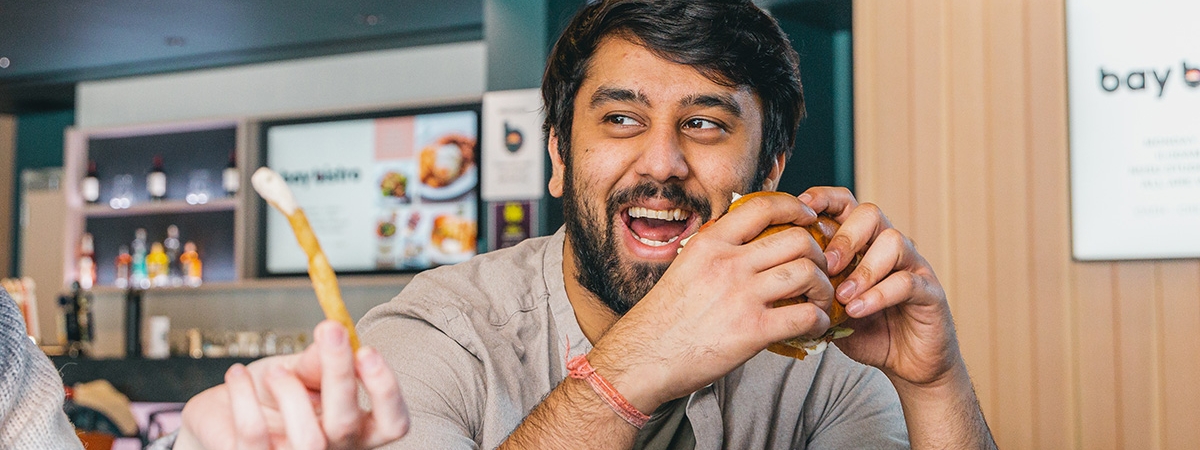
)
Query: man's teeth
[
  {"x": 654, "y": 243},
  {"x": 638, "y": 212}
]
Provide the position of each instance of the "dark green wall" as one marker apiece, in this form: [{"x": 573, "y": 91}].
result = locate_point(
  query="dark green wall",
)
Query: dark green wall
[
  {"x": 39, "y": 145},
  {"x": 824, "y": 151}
]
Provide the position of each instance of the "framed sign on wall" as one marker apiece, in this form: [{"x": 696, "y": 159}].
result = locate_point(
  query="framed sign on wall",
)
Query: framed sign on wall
[{"x": 1134, "y": 96}]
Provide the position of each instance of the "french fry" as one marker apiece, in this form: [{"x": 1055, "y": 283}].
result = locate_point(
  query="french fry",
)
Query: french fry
[{"x": 275, "y": 191}]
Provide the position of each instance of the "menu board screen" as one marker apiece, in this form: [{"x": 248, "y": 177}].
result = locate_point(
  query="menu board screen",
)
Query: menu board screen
[
  {"x": 391, "y": 192},
  {"x": 1134, "y": 85}
]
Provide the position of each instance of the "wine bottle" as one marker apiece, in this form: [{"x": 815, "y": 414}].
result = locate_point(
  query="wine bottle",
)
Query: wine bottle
[
  {"x": 87, "y": 262},
  {"x": 231, "y": 178},
  {"x": 90, "y": 187},
  {"x": 192, "y": 266},
  {"x": 124, "y": 260},
  {"x": 156, "y": 180},
  {"x": 171, "y": 247},
  {"x": 156, "y": 266},
  {"x": 140, "y": 278}
]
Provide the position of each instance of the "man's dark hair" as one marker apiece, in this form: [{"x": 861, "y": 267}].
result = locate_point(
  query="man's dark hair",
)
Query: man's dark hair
[{"x": 731, "y": 42}]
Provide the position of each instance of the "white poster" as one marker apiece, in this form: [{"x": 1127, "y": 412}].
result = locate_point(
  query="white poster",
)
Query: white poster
[
  {"x": 1134, "y": 80},
  {"x": 512, "y": 146}
]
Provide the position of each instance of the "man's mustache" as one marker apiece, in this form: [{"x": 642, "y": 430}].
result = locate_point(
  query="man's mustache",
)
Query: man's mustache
[{"x": 673, "y": 193}]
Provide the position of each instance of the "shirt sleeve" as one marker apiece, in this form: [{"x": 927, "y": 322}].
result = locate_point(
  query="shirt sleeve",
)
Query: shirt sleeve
[
  {"x": 31, "y": 392},
  {"x": 861, "y": 408},
  {"x": 442, "y": 383}
]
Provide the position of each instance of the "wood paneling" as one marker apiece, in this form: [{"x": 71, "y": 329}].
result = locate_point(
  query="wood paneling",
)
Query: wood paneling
[{"x": 961, "y": 137}]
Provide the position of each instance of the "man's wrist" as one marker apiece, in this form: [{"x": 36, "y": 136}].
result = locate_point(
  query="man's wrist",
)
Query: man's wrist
[
  {"x": 634, "y": 384},
  {"x": 943, "y": 411}
]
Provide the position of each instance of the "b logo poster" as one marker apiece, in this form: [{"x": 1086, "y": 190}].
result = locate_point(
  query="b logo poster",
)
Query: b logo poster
[{"x": 1134, "y": 94}]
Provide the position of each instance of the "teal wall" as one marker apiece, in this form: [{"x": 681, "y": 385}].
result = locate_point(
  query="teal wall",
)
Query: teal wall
[{"x": 824, "y": 151}]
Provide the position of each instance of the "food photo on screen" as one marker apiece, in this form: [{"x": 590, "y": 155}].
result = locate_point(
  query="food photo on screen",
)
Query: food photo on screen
[{"x": 390, "y": 192}]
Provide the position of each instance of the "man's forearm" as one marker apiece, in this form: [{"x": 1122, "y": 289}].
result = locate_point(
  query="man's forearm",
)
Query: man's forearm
[
  {"x": 572, "y": 416},
  {"x": 944, "y": 414}
]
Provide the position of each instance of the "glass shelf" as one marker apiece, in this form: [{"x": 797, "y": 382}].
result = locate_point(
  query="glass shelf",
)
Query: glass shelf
[{"x": 162, "y": 207}]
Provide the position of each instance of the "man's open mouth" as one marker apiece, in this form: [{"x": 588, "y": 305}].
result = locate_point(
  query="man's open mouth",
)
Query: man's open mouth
[{"x": 659, "y": 227}]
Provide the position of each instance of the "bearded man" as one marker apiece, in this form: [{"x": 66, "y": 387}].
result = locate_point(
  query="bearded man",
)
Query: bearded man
[{"x": 657, "y": 111}]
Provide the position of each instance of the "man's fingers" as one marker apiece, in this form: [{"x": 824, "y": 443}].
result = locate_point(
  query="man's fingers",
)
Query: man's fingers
[
  {"x": 307, "y": 366},
  {"x": 752, "y": 217},
  {"x": 799, "y": 278},
  {"x": 897, "y": 288},
  {"x": 249, "y": 425},
  {"x": 782, "y": 247},
  {"x": 389, "y": 415},
  {"x": 296, "y": 408},
  {"x": 836, "y": 202},
  {"x": 861, "y": 227},
  {"x": 340, "y": 414},
  {"x": 801, "y": 319},
  {"x": 890, "y": 252}
]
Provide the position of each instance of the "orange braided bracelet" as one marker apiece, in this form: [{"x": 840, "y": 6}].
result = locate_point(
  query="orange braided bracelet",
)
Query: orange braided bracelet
[{"x": 580, "y": 368}]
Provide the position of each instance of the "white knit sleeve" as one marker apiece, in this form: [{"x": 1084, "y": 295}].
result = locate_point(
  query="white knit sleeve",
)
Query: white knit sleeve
[{"x": 31, "y": 391}]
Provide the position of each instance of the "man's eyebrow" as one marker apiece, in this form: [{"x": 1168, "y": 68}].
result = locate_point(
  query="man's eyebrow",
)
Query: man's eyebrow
[
  {"x": 723, "y": 101},
  {"x": 611, "y": 94}
]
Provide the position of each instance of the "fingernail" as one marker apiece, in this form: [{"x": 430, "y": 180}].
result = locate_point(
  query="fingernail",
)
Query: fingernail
[
  {"x": 805, "y": 198},
  {"x": 371, "y": 361},
  {"x": 846, "y": 289},
  {"x": 832, "y": 259},
  {"x": 336, "y": 336},
  {"x": 235, "y": 371},
  {"x": 855, "y": 308}
]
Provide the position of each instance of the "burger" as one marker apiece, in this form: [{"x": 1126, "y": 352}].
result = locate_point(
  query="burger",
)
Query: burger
[{"x": 822, "y": 231}]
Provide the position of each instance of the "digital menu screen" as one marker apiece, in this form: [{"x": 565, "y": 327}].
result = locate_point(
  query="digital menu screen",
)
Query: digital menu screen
[
  {"x": 393, "y": 192},
  {"x": 1134, "y": 96}
]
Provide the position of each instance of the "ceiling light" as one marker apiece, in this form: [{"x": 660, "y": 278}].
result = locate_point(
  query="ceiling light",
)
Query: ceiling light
[
  {"x": 4, "y": 62},
  {"x": 368, "y": 19}
]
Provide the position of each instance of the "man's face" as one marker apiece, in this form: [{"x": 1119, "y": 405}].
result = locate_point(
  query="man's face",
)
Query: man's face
[{"x": 656, "y": 150}]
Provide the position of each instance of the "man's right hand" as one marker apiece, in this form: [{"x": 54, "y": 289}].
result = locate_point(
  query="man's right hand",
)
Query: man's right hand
[{"x": 712, "y": 309}]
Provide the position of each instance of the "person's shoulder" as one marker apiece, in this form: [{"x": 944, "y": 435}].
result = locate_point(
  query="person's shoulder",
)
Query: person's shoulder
[{"x": 490, "y": 284}]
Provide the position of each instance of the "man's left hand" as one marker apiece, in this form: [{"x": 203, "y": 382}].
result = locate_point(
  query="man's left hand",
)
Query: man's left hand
[{"x": 900, "y": 316}]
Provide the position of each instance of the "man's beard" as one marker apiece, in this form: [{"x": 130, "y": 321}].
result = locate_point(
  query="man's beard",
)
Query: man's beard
[{"x": 595, "y": 242}]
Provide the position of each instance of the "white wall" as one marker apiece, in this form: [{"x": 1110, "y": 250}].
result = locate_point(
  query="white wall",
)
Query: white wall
[{"x": 352, "y": 82}]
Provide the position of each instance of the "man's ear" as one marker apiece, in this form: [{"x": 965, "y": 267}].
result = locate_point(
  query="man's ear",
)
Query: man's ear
[
  {"x": 557, "y": 168},
  {"x": 771, "y": 183}
]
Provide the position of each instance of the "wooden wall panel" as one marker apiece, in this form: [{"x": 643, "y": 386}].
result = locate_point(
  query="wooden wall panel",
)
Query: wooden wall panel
[
  {"x": 961, "y": 136},
  {"x": 894, "y": 102},
  {"x": 930, "y": 213},
  {"x": 1048, "y": 222},
  {"x": 1099, "y": 415},
  {"x": 1134, "y": 316},
  {"x": 1180, "y": 363},
  {"x": 1007, "y": 163},
  {"x": 971, "y": 288}
]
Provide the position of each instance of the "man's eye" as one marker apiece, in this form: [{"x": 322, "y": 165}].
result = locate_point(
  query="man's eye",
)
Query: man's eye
[
  {"x": 621, "y": 120},
  {"x": 701, "y": 124}
]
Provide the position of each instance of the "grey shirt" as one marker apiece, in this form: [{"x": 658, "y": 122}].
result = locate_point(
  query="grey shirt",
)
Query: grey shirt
[{"x": 476, "y": 346}]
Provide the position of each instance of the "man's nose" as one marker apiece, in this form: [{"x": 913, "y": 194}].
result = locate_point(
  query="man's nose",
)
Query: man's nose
[{"x": 662, "y": 158}]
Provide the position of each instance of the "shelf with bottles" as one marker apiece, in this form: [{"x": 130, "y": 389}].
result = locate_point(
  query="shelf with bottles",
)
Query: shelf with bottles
[
  {"x": 125, "y": 256},
  {"x": 153, "y": 177},
  {"x": 189, "y": 168}
]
